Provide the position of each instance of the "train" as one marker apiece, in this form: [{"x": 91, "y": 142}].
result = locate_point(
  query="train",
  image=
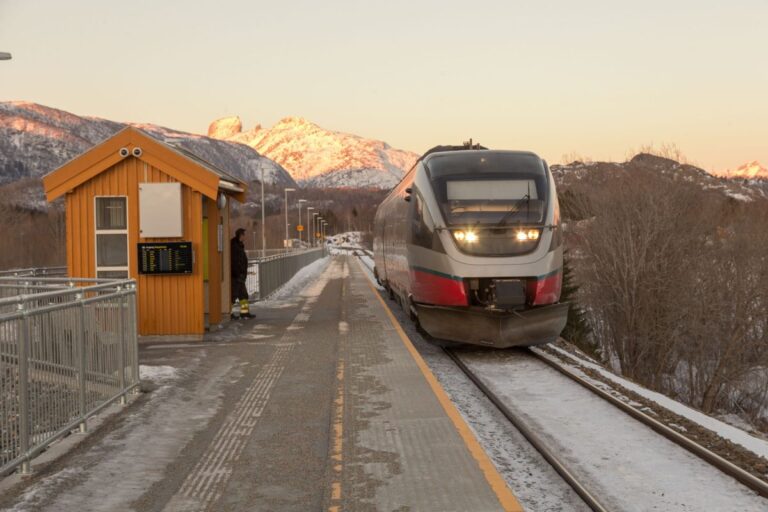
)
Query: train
[{"x": 470, "y": 244}]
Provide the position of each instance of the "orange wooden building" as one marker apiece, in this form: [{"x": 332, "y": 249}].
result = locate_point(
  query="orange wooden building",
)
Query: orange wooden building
[{"x": 137, "y": 207}]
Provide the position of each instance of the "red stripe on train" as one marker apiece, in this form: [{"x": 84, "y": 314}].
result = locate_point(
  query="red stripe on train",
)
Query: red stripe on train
[
  {"x": 546, "y": 290},
  {"x": 430, "y": 288}
]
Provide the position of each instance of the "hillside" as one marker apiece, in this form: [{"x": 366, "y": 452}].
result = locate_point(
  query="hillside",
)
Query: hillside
[
  {"x": 319, "y": 157},
  {"x": 35, "y": 139},
  {"x": 594, "y": 174}
]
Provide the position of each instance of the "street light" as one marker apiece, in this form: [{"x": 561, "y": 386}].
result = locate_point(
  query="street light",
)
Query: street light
[
  {"x": 286, "y": 214},
  {"x": 314, "y": 227},
  {"x": 263, "y": 225},
  {"x": 306, "y": 227},
  {"x": 300, "y": 201},
  {"x": 5, "y": 56}
]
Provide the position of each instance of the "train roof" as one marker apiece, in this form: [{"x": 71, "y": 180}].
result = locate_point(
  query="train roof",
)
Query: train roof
[{"x": 463, "y": 150}]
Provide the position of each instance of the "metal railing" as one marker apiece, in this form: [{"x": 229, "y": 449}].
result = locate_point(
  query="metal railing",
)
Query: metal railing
[
  {"x": 68, "y": 349},
  {"x": 258, "y": 253},
  {"x": 266, "y": 275},
  {"x": 35, "y": 272}
]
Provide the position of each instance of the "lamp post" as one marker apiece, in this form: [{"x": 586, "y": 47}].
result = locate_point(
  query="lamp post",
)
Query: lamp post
[
  {"x": 263, "y": 217},
  {"x": 314, "y": 227},
  {"x": 5, "y": 56},
  {"x": 285, "y": 244},
  {"x": 322, "y": 232},
  {"x": 300, "y": 201},
  {"x": 306, "y": 227}
]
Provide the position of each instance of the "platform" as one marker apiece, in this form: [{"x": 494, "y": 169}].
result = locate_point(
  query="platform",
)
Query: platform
[{"x": 321, "y": 403}]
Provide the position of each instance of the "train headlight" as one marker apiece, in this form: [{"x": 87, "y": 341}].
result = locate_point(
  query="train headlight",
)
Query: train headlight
[
  {"x": 528, "y": 235},
  {"x": 469, "y": 237}
]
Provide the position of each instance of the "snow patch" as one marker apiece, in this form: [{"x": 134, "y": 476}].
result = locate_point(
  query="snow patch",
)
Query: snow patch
[
  {"x": 736, "y": 435},
  {"x": 158, "y": 374}
]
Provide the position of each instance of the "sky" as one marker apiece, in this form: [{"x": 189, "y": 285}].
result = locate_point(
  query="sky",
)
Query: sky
[{"x": 593, "y": 78}]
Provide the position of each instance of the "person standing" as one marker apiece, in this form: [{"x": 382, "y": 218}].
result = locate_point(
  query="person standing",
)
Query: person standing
[{"x": 239, "y": 272}]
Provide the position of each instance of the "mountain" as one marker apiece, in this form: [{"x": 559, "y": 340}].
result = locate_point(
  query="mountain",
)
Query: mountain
[
  {"x": 593, "y": 174},
  {"x": 319, "y": 157},
  {"x": 749, "y": 171},
  {"x": 35, "y": 139}
]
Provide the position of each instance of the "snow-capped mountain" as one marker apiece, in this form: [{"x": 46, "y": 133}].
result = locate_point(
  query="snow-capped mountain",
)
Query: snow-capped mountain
[
  {"x": 35, "y": 139},
  {"x": 749, "y": 171},
  {"x": 594, "y": 173},
  {"x": 319, "y": 157}
]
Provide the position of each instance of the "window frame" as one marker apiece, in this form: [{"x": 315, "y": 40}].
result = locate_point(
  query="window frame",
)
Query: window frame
[{"x": 123, "y": 231}]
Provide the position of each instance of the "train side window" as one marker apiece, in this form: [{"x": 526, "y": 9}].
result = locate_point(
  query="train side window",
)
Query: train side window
[{"x": 421, "y": 233}]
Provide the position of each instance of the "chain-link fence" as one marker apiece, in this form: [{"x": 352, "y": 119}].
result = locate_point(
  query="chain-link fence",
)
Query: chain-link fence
[
  {"x": 266, "y": 275},
  {"x": 68, "y": 348}
]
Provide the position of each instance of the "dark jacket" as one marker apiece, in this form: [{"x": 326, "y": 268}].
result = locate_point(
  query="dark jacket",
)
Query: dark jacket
[{"x": 239, "y": 267}]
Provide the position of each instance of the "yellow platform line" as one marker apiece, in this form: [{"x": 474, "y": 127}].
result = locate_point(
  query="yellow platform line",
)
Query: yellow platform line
[{"x": 496, "y": 481}]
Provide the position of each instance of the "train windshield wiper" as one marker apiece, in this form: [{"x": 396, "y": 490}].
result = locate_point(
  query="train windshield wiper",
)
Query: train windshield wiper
[{"x": 514, "y": 209}]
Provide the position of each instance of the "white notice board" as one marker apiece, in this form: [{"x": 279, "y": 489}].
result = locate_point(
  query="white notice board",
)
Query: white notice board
[{"x": 160, "y": 210}]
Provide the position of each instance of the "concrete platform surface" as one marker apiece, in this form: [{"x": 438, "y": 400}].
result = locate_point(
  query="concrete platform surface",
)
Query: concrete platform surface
[{"x": 320, "y": 403}]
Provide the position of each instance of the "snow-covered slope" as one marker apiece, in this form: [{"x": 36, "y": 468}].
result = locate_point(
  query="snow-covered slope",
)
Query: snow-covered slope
[
  {"x": 35, "y": 139},
  {"x": 318, "y": 157}
]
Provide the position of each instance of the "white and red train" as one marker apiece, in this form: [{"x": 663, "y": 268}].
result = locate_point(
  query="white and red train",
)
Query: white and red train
[{"x": 470, "y": 243}]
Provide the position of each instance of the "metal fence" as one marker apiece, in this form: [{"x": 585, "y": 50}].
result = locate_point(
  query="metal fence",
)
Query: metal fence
[
  {"x": 266, "y": 275},
  {"x": 254, "y": 254},
  {"x": 68, "y": 349},
  {"x": 35, "y": 272}
]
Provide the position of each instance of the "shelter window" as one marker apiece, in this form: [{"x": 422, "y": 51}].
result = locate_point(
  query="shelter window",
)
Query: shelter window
[{"x": 111, "y": 237}]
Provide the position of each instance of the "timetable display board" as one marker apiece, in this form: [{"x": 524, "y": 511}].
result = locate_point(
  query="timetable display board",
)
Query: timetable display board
[{"x": 165, "y": 258}]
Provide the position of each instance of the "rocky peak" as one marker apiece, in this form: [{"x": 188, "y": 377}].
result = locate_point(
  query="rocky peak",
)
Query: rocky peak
[
  {"x": 325, "y": 158},
  {"x": 225, "y": 127},
  {"x": 750, "y": 170}
]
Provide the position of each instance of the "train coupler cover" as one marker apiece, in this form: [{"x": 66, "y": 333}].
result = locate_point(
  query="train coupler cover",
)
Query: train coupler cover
[{"x": 479, "y": 326}]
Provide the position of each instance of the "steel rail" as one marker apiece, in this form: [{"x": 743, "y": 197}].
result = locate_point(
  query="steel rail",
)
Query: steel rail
[
  {"x": 744, "y": 477},
  {"x": 580, "y": 489}
]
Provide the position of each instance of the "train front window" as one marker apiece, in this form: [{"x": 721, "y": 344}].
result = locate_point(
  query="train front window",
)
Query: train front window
[{"x": 494, "y": 203}]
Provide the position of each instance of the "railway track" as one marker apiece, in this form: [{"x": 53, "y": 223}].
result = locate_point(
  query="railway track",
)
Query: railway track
[
  {"x": 589, "y": 497},
  {"x": 536, "y": 441},
  {"x": 744, "y": 477},
  {"x": 749, "y": 480}
]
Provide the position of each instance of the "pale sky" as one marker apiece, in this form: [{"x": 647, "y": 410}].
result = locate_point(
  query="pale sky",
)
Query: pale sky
[{"x": 593, "y": 77}]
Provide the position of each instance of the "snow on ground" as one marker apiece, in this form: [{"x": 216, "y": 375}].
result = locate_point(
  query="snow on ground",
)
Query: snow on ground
[
  {"x": 369, "y": 263},
  {"x": 297, "y": 283},
  {"x": 628, "y": 465},
  {"x": 41, "y": 492},
  {"x": 738, "y": 196},
  {"x": 159, "y": 374},
  {"x": 119, "y": 468},
  {"x": 738, "y": 436}
]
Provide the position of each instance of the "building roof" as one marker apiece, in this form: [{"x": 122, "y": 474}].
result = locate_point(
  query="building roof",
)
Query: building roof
[{"x": 178, "y": 162}]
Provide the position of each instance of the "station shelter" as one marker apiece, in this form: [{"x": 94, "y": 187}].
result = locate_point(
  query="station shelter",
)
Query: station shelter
[{"x": 152, "y": 211}]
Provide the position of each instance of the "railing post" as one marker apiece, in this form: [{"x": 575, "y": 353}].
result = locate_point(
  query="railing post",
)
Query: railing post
[
  {"x": 81, "y": 381},
  {"x": 121, "y": 323},
  {"x": 134, "y": 333},
  {"x": 24, "y": 342}
]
